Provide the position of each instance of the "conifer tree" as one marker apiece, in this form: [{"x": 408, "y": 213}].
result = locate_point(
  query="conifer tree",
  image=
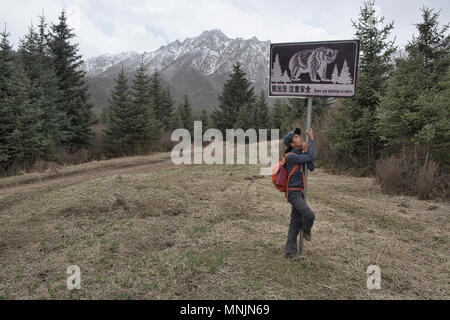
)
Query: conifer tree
[
  {"x": 320, "y": 106},
  {"x": 352, "y": 132},
  {"x": 297, "y": 108},
  {"x": 433, "y": 116},
  {"x": 262, "y": 117},
  {"x": 120, "y": 119},
  {"x": 161, "y": 100},
  {"x": 276, "y": 114},
  {"x": 246, "y": 117},
  {"x": 21, "y": 130},
  {"x": 75, "y": 95},
  {"x": 236, "y": 93},
  {"x": 7, "y": 58},
  {"x": 29, "y": 53},
  {"x": 147, "y": 128},
  {"x": 281, "y": 118},
  {"x": 204, "y": 118},
  {"x": 414, "y": 106},
  {"x": 432, "y": 44},
  {"x": 186, "y": 114},
  {"x": 167, "y": 106},
  {"x": 43, "y": 39},
  {"x": 177, "y": 121},
  {"x": 39, "y": 69}
]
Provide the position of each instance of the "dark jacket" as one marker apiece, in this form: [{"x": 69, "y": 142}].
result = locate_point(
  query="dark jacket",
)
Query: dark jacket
[{"x": 302, "y": 159}]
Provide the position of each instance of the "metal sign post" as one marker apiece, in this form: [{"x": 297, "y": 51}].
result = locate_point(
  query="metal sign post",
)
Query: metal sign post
[{"x": 308, "y": 126}]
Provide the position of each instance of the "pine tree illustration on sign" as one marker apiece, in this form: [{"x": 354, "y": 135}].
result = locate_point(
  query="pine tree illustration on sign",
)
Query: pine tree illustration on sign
[
  {"x": 335, "y": 75},
  {"x": 345, "y": 77},
  {"x": 276, "y": 70},
  {"x": 279, "y": 76},
  {"x": 285, "y": 78}
]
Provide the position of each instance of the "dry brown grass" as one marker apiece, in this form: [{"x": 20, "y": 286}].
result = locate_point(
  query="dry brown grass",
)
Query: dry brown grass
[
  {"x": 396, "y": 175},
  {"x": 218, "y": 232}
]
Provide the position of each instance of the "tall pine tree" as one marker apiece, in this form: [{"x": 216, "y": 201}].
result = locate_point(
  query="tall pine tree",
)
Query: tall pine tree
[
  {"x": 167, "y": 106},
  {"x": 186, "y": 114},
  {"x": 161, "y": 100},
  {"x": 72, "y": 84},
  {"x": 414, "y": 110},
  {"x": 120, "y": 119},
  {"x": 21, "y": 130},
  {"x": 41, "y": 72},
  {"x": 237, "y": 92},
  {"x": 6, "y": 69},
  {"x": 204, "y": 118},
  {"x": 147, "y": 127},
  {"x": 176, "y": 118},
  {"x": 433, "y": 113},
  {"x": 7, "y": 57},
  {"x": 352, "y": 133}
]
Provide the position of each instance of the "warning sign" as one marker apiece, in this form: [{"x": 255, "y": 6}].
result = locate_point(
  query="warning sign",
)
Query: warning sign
[{"x": 323, "y": 69}]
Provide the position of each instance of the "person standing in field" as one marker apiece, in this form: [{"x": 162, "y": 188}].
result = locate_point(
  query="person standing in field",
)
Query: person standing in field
[{"x": 299, "y": 156}]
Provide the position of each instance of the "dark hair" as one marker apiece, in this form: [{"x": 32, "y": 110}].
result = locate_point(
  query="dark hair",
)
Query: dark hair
[{"x": 289, "y": 148}]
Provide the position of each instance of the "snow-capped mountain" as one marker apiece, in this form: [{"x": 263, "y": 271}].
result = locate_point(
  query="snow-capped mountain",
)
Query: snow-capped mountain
[
  {"x": 100, "y": 64},
  {"x": 197, "y": 66}
]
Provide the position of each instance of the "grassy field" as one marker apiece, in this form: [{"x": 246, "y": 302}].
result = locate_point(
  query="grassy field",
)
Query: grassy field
[{"x": 218, "y": 232}]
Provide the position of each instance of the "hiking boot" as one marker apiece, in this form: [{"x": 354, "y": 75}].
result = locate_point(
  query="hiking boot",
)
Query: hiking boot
[
  {"x": 290, "y": 255},
  {"x": 307, "y": 235}
]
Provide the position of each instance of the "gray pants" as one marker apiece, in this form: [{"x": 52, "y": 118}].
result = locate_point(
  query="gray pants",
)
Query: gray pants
[{"x": 299, "y": 209}]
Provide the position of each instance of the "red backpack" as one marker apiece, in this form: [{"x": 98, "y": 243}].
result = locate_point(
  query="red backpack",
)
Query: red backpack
[{"x": 280, "y": 177}]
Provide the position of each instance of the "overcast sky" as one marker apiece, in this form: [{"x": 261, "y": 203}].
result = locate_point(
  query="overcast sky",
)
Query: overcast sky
[{"x": 114, "y": 26}]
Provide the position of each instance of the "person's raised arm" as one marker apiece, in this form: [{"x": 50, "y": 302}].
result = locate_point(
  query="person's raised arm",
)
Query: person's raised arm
[
  {"x": 312, "y": 149},
  {"x": 298, "y": 158}
]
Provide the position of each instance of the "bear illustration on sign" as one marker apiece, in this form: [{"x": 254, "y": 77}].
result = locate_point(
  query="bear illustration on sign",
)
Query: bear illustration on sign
[{"x": 314, "y": 62}]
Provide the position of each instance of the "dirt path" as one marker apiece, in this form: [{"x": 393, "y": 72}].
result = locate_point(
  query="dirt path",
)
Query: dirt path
[{"x": 155, "y": 165}]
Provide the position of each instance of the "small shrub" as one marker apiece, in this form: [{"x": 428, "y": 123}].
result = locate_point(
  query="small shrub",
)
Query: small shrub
[
  {"x": 427, "y": 180},
  {"x": 390, "y": 174}
]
